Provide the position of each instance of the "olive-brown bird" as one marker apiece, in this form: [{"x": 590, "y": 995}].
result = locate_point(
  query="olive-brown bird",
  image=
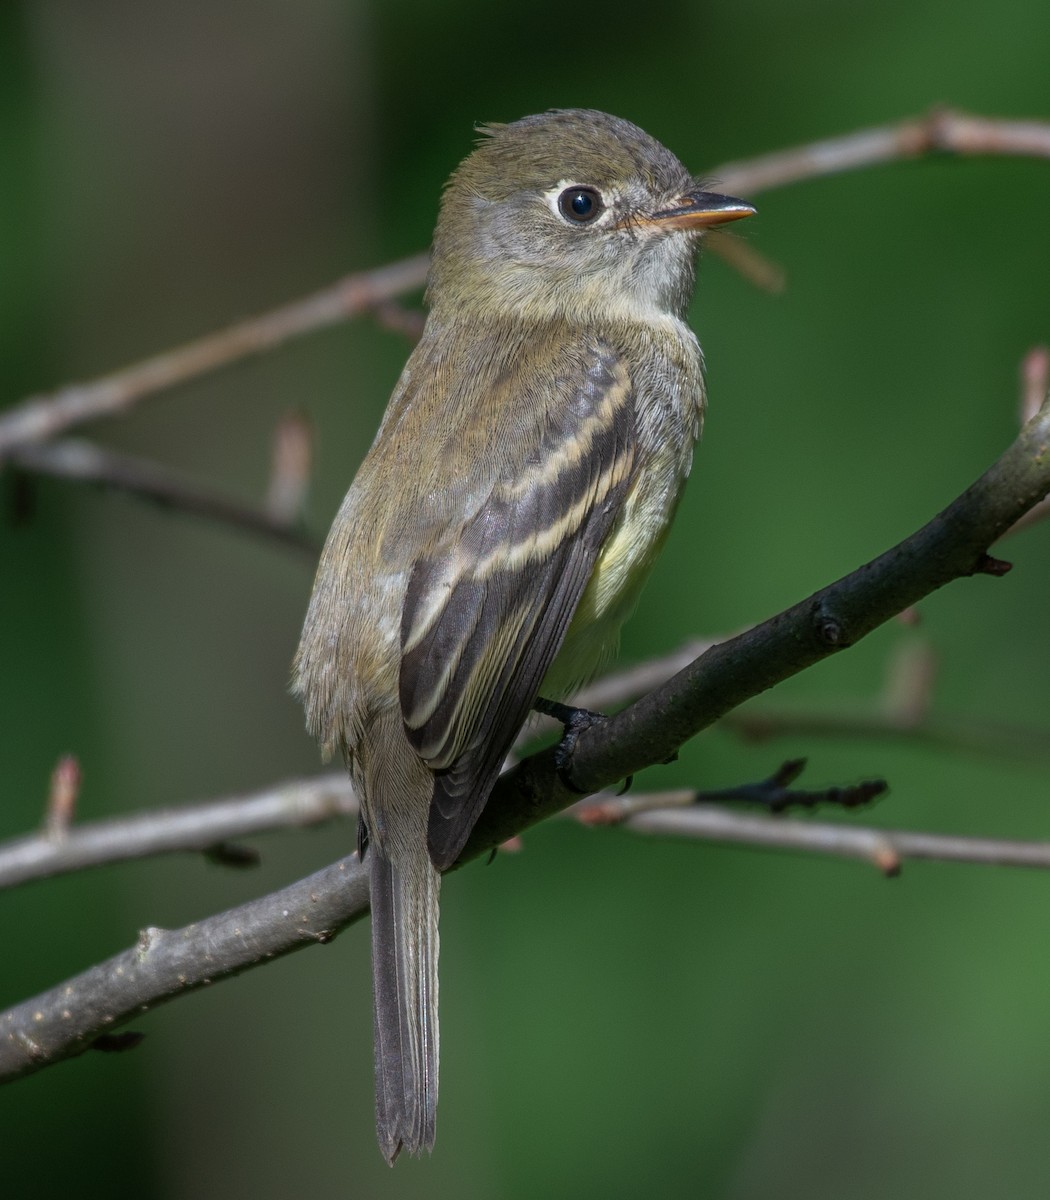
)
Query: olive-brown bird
[{"x": 498, "y": 532}]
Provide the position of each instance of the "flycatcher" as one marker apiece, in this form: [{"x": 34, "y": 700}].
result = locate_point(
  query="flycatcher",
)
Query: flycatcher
[{"x": 497, "y": 534}]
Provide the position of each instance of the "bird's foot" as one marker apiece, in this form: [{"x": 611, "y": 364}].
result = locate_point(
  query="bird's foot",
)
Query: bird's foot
[{"x": 574, "y": 721}]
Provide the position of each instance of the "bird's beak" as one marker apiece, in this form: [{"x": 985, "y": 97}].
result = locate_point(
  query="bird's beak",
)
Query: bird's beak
[{"x": 700, "y": 210}]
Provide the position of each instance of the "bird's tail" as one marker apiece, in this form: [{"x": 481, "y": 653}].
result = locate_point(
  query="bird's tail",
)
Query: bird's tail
[{"x": 405, "y": 991}]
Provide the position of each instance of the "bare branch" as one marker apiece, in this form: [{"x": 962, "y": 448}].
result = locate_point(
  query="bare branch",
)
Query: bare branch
[
  {"x": 942, "y": 131},
  {"x": 43, "y": 417},
  {"x": 886, "y": 848},
  {"x": 195, "y": 828},
  {"x": 951, "y": 546},
  {"x": 167, "y": 963},
  {"x": 164, "y": 964},
  {"x": 201, "y": 828},
  {"x": 85, "y": 462},
  {"x": 1035, "y": 383}
]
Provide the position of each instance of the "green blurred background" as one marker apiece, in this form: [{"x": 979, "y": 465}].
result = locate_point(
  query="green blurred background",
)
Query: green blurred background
[{"x": 620, "y": 1016}]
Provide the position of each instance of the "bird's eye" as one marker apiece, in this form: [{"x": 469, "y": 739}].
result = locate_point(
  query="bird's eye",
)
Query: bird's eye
[{"x": 580, "y": 205}]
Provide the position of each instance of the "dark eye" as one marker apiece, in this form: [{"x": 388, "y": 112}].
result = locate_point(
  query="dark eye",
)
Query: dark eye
[{"x": 580, "y": 204}]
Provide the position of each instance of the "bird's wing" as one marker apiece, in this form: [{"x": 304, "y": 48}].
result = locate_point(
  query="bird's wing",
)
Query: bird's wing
[{"x": 487, "y": 607}]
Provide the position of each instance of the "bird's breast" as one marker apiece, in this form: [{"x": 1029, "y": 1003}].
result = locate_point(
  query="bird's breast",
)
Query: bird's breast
[{"x": 670, "y": 403}]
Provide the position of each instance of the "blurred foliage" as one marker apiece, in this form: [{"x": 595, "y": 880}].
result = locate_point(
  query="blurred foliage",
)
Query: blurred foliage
[{"x": 620, "y": 1016}]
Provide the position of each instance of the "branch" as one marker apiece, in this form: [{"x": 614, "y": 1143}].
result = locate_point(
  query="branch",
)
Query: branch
[
  {"x": 1035, "y": 384},
  {"x": 941, "y": 131},
  {"x": 166, "y": 963},
  {"x": 42, "y": 417},
  {"x": 85, "y": 462},
  {"x": 618, "y": 687},
  {"x": 192, "y": 828},
  {"x": 951, "y": 546},
  {"x": 885, "y": 848},
  {"x": 64, "y": 1022},
  {"x": 204, "y": 828}
]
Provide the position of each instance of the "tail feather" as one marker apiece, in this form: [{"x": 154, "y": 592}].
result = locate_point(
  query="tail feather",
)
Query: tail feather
[{"x": 405, "y": 993}]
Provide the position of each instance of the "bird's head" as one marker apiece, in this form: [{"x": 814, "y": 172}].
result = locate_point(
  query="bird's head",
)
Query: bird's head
[{"x": 572, "y": 213}]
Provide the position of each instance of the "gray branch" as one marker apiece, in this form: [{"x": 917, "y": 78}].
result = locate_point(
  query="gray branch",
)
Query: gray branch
[
  {"x": 83, "y": 462},
  {"x": 885, "y": 848},
  {"x": 191, "y": 828},
  {"x": 42, "y": 417},
  {"x": 165, "y": 963}
]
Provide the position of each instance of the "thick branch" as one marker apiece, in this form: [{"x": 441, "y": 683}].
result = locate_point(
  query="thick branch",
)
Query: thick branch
[
  {"x": 954, "y": 544},
  {"x": 165, "y": 963}
]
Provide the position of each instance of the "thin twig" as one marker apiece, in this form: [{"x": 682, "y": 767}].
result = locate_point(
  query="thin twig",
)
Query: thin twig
[
  {"x": 194, "y": 828},
  {"x": 774, "y": 794},
  {"x": 42, "y": 417},
  {"x": 886, "y": 848},
  {"x": 84, "y": 462},
  {"x": 399, "y": 319},
  {"x": 292, "y": 464},
  {"x": 755, "y": 267},
  {"x": 942, "y": 131}
]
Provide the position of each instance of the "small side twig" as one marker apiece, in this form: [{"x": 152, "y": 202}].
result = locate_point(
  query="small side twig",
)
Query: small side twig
[
  {"x": 1035, "y": 384},
  {"x": 774, "y": 794},
  {"x": 62, "y": 797},
  {"x": 290, "y": 471},
  {"x": 777, "y": 795}
]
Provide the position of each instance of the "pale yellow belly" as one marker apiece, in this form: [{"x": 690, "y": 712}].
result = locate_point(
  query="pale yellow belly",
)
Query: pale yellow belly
[{"x": 622, "y": 568}]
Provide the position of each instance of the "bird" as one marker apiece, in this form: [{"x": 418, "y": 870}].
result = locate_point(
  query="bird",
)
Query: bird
[{"x": 496, "y": 535}]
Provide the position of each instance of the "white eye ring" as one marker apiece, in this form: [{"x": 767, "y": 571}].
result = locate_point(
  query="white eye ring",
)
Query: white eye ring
[
  {"x": 567, "y": 201},
  {"x": 581, "y": 205}
]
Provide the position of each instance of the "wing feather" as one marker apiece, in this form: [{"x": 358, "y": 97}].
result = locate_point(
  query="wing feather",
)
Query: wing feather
[{"x": 487, "y": 608}]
